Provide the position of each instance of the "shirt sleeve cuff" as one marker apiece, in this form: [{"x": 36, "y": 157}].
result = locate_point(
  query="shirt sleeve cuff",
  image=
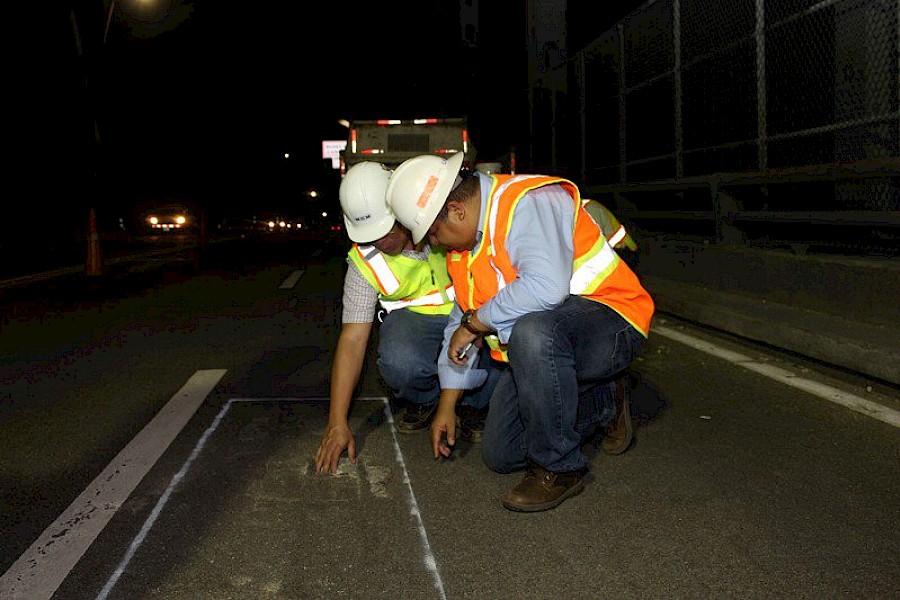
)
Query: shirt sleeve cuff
[{"x": 453, "y": 377}]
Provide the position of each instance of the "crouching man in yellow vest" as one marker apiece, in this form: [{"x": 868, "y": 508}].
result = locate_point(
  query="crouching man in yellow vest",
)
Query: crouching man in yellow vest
[
  {"x": 616, "y": 234},
  {"x": 415, "y": 295},
  {"x": 537, "y": 282}
]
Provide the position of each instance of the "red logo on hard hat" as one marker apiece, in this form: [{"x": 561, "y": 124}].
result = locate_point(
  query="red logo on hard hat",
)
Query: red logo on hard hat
[{"x": 426, "y": 193}]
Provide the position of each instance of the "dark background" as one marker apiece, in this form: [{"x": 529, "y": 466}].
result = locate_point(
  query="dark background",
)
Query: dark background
[{"x": 199, "y": 100}]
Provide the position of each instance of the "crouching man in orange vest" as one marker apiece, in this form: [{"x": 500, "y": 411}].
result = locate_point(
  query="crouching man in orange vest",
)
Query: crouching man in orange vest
[{"x": 537, "y": 282}]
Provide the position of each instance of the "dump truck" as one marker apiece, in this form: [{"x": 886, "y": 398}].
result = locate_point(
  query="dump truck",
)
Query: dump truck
[{"x": 392, "y": 141}]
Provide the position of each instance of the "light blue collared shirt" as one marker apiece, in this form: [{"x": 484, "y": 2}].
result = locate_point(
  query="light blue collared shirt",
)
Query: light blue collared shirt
[{"x": 541, "y": 247}]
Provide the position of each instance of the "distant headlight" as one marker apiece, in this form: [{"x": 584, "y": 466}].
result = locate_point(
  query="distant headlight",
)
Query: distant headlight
[
  {"x": 180, "y": 219},
  {"x": 153, "y": 220}
]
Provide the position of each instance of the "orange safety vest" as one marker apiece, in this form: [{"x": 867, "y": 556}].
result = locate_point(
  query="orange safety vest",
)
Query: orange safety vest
[{"x": 597, "y": 272}]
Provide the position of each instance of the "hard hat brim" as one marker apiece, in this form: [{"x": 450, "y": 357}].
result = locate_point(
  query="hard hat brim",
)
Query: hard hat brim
[
  {"x": 367, "y": 233},
  {"x": 363, "y": 202}
]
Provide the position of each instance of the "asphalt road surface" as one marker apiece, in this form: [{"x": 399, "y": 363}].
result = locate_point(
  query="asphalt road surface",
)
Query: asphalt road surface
[{"x": 158, "y": 425}]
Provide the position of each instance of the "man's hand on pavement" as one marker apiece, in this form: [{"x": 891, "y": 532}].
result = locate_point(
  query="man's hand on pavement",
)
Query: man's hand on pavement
[{"x": 335, "y": 439}]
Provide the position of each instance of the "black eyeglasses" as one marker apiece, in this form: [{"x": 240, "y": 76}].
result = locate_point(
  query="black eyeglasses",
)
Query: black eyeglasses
[{"x": 463, "y": 174}]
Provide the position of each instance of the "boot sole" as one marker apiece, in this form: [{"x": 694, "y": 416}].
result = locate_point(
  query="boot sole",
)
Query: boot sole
[{"x": 416, "y": 429}]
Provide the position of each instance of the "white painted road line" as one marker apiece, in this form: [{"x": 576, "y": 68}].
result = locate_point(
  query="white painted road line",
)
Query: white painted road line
[
  {"x": 428, "y": 559},
  {"x": 41, "y": 569},
  {"x": 160, "y": 504},
  {"x": 430, "y": 562},
  {"x": 832, "y": 394},
  {"x": 291, "y": 280}
]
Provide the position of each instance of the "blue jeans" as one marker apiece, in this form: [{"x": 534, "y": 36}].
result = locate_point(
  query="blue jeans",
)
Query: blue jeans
[
  {"x": 408, "y": 350},
  {"x": 562, "y": 364}
]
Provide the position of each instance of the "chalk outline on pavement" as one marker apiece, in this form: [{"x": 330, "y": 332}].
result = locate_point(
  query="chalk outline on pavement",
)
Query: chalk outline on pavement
[{"x": 429, "y": 560}]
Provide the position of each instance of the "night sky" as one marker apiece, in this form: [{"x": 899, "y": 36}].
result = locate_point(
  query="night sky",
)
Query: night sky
[{"x": 201, "y": 98}]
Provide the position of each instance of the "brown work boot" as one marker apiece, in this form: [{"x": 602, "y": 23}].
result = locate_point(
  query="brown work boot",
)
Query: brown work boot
[
  {"x": 619, "y": 434},
  {"x": 542, "y": 489},
  {"x": 416, "y": 417},
  {"x": 471, "y": 422}
]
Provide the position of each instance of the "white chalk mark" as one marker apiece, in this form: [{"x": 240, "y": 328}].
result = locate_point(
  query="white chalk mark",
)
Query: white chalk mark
[{"x": 430, "y": 562}]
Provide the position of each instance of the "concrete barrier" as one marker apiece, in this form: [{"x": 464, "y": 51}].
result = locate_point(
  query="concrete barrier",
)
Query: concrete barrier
[{"x": 839, "y": 310}]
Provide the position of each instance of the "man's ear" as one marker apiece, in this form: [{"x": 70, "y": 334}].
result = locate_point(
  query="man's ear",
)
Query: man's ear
[{"x": 456, "y": 212}]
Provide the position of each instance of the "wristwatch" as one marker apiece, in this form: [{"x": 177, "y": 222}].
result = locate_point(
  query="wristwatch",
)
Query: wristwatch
[{"x": 466, "y": 322}]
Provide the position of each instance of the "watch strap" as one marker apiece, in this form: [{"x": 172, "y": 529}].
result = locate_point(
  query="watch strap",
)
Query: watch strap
[{"x": 466, "y": 322}]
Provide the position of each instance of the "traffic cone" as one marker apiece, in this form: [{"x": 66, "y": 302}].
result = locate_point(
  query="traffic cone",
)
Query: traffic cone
[
  {"x": 203, "y": 240},
  {"x": 200, "y": 250},
  {"x": 93, "y": 265}
]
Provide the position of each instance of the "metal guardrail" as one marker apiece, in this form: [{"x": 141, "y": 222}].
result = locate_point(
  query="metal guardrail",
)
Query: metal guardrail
[
  {"x": 726, "y": 213},
  {"x": 864, "y": 169}
]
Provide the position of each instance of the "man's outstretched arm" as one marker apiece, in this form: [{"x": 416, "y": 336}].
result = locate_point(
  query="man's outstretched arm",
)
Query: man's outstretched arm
[{"x": 345, "y": 371}]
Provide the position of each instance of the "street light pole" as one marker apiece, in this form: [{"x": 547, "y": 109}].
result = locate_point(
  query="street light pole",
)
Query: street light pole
[
  {"x": 109, "y": 14},
  {"x": 94, "y": 259}
]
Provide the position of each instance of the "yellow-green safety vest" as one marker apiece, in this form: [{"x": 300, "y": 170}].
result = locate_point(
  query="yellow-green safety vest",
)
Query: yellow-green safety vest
[
  {"x": 613, "y": 231},
  {"x": 423, "y": 286}
]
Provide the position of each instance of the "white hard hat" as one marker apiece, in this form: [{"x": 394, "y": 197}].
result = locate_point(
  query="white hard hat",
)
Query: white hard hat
[
  {"x": 362, "y": 193},
  {"x": 418, "y": 189}
]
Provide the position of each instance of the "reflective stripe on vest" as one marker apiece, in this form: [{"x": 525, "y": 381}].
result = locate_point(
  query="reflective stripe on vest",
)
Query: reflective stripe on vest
[
  {"x": 613, "y": 230},
  {"x": 618, "y": 236},
  {"x": 597, "y": 264},
  {"x": 492, "y": 222},
  {"x": 383, "y": 274},
  {"x": 435, "y": 299}
]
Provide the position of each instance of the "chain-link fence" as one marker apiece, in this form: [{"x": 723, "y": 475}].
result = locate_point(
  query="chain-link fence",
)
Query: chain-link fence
[{"x": 781, "y": 91}]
